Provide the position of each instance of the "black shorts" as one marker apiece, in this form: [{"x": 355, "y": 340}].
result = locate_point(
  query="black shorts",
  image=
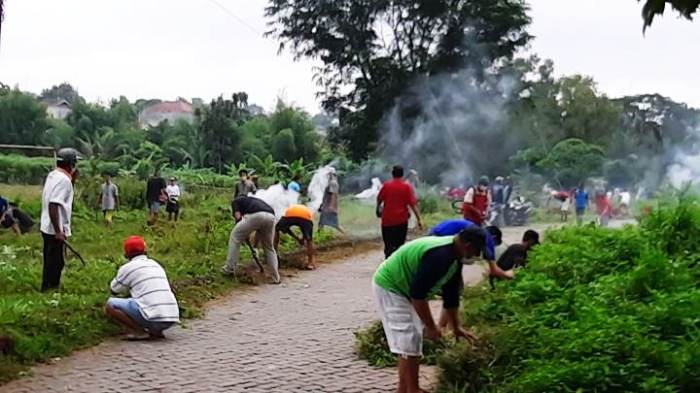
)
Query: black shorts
[
  {"x": 172, "y": 207},
  {"x": 306, "y": 226}
]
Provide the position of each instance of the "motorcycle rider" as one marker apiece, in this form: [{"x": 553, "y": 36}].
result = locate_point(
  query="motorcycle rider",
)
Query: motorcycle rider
[{"x": 477, "y": 202}]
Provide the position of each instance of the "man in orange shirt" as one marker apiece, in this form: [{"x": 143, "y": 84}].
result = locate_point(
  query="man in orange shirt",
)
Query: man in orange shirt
[{"x": 302, "y": 217}]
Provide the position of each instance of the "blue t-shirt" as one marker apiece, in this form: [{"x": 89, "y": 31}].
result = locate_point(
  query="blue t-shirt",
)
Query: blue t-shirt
[
  {"x": 453, "y": 227},
  {"x": 581, "y": 199},
  {"x": 3, "y": 205},
  {"x": 294, "y": 186}
]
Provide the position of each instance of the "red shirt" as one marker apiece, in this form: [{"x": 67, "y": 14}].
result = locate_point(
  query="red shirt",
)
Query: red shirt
[{"x": 396, "y": 195}]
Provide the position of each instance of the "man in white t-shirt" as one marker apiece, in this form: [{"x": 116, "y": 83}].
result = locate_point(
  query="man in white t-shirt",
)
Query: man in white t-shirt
[
  {"x": 56, "y": 211},
  {"x": 173, "y": 206}
]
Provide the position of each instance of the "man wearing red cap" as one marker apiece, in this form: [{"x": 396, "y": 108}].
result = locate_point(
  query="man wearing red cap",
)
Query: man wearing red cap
[{"x": 152, "y": 307}]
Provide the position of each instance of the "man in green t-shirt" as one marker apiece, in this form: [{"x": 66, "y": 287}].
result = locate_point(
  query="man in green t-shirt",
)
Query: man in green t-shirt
[{"x": 405, "y": 282}]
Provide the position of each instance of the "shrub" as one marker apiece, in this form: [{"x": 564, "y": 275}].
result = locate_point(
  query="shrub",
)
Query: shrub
[
  {"x": 24, "y": 170},
  {"x": 597, "y": 310}
]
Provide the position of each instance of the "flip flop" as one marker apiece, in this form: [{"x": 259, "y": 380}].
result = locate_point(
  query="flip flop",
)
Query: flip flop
[
  {"x": 137, "y": 337},
  {"x": 310, "y": 267}
]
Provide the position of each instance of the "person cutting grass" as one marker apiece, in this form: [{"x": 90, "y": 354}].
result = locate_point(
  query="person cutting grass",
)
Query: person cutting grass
[
  {"x": 302, "y": 217},
  {"x": 405, "y": 281}
]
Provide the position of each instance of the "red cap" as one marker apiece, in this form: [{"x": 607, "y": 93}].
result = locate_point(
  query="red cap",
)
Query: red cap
[{"x": 134, "y": 245}]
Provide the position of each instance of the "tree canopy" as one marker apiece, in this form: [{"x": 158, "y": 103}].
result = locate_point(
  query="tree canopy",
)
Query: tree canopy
[{"x": 372, "y": 50}]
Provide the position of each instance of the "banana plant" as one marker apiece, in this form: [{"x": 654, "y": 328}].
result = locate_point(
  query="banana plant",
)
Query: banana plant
[{"x": 265, "y": 167}]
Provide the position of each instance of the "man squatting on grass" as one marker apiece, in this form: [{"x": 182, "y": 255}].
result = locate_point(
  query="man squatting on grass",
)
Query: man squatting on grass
[
  {"x": 302, "y": 217},
  {"x": 405, "y": 281},
  {"x": 152, "y": 307}
]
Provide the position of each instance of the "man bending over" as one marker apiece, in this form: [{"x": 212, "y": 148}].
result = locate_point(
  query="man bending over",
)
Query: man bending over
[
  {"x": 405, "y": 281},
  {"x": 302, "y": 217}
]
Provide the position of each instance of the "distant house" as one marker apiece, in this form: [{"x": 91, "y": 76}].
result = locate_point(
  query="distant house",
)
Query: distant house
[
  {"x": 170, "y": 111},
  {"x": 58, "y": 109}
]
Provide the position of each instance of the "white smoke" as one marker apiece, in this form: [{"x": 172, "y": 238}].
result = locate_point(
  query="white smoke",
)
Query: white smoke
[
  {"x": 449, "y": 127},
  {"x": 372, "y": 192},
  {"x": 279, "y": 198},
  {"x": 318, "y": 185}
]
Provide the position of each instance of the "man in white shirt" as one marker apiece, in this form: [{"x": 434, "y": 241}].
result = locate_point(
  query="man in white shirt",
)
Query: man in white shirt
[
  {"x": 56, "y": 212},
  {"x": 173, "y": 206},
  {"x": 152, "y": 307}
]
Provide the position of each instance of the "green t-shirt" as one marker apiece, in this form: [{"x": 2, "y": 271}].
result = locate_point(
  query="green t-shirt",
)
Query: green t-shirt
[{"x": 397, "y": 272}]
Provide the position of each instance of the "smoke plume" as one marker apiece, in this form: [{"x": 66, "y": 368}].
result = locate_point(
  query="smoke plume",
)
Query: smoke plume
[{"x": 450, "y": 127}]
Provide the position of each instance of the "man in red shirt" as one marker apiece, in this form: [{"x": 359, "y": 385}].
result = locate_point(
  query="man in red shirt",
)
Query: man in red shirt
[{"x": 395, "y": 198}]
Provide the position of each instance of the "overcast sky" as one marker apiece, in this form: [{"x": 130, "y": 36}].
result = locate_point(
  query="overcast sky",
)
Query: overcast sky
[{"x": 196, "y": 48}]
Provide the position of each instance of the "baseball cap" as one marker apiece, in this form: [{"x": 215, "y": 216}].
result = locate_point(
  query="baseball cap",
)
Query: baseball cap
[{"x": 134, "y": 245}]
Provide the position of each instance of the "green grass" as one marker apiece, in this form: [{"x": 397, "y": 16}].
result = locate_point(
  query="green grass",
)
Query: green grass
[{"x": 51, "y": 325}]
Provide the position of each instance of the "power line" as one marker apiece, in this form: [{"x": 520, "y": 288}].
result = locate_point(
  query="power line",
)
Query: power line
[{"x": 236, "y": 17}]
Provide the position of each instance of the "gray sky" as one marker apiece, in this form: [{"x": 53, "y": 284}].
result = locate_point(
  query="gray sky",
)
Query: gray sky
[{"x": 194, "y": 48}]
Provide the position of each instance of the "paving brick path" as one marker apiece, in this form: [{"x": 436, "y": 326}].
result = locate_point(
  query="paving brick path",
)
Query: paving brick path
[{"x": 291, "y": 338}]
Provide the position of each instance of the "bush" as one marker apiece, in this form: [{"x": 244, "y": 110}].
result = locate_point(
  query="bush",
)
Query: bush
[
  {"x": 24, "y": 170},
  {"x": 597, "y": 310}
]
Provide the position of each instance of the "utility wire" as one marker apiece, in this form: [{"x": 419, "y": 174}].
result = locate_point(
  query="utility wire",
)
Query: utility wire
[{"x": 236, "y": 17}]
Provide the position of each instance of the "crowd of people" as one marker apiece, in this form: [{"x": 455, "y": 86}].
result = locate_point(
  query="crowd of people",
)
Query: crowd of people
[
  {"x": 608, "y": 204},
  {"x": 412, "y": 272}
]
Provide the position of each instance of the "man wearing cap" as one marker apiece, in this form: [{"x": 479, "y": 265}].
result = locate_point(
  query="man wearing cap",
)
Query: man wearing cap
[
  {"x": 405, "y": 281},
  {"x": 301, "y": 217},
  {"x": 252, "y": 215},
  {"x": 152, "y": 307},
  {"x": 173, "y": 206},
  {"x": 56, "y": 212},
  {"x": 477, "y": 202}
]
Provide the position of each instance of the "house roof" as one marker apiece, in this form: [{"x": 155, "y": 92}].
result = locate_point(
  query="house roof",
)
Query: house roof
[
  {"x": 57, "y": 102},
  {"x": 170, "y": 107}
]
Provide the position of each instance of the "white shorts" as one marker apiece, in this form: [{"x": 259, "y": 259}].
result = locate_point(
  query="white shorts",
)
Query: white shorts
[{"x": 402, "y": 325}]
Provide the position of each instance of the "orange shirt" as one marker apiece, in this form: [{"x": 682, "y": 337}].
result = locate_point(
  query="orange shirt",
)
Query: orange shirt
[{"x": 299, "y": 211}]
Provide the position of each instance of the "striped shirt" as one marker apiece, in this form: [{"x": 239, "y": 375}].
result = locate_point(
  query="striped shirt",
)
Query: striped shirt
[{"x": 145, "y": 280}]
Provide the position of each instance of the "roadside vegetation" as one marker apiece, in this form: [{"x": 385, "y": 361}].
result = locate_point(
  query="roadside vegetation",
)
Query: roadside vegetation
[{"x": 597, "y": 309}]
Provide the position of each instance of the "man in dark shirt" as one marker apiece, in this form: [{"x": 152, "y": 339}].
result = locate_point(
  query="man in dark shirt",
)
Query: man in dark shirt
[
  {"x": 405, "y": 281},
  {"x": 516, "y": 254},
  {"x": 155, "y": 195},
  {"x": 252, "y": 215}
]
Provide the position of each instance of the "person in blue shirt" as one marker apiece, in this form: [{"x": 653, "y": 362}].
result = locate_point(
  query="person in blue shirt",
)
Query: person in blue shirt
[
  {"x": 294, "y": 185},
  {"x": 452, "y": 227},
  {"x": 494, "y": 237},
  {"x": 581, "y": 198}
]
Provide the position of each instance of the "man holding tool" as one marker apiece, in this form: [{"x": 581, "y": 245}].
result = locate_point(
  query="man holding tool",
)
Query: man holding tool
[
  {"x": 56, "y": 212},
  {"x": 252, "y": 215},
  {"x": 302, "y": 217}
]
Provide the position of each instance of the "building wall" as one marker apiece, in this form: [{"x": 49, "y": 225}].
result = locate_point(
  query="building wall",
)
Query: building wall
[{"x": 58, "y": 112}]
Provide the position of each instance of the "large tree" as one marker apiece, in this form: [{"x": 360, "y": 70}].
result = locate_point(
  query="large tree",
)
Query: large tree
[
  {"x": 220, "y": 131},
  {"x": 371, "y": 50}
]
